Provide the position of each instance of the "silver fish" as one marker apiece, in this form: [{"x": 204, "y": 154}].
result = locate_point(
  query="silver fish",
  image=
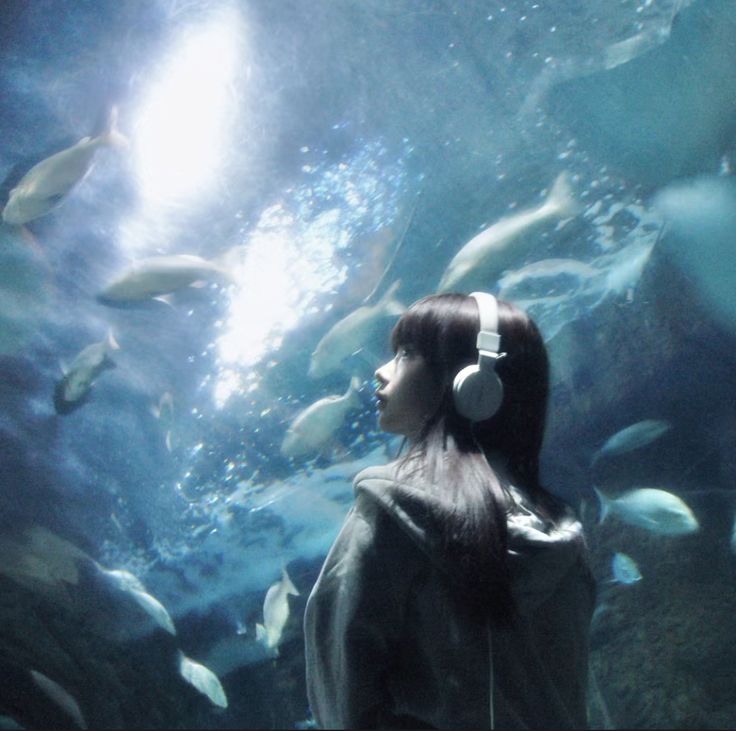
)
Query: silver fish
[
  {"x": 72, "y": 390},
  {"x": 203, "y": 679},
  {"x": 491, "y": 252},
  {"x": 130, "y": 584},
  {"x": 632, "y": 437},
  {"x": 624, "y": 568},
  {"x": 275, "y": 612},
  {"x": 315, "y": 426},
  {"x": 650, "y": 508},
  {"x": 153, "y": 277},
  {"x": 60, "y": 696},
  {"x": 351, "y": 333},
  {"x": 46, "y": 184}
]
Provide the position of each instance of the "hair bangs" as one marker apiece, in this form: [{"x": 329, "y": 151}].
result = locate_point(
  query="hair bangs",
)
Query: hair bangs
[{"x": 441, "y": 328}]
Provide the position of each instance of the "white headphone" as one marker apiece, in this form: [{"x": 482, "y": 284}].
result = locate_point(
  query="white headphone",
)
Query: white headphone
[{"x": 477, "y": 389}]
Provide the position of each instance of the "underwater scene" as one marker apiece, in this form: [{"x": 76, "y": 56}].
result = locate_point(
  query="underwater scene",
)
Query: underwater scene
[{"x": 213, "y": 212}]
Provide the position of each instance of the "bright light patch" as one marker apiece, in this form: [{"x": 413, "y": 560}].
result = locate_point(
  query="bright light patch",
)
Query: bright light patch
[
  {"x": 182, "y": 126},
  {"x": 281, "y": 273},
  {"x": 289, "y": 264}
]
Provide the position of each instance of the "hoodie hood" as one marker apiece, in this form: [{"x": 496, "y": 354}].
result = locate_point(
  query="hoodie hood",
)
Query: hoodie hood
[{"x": 541, "y": 551}]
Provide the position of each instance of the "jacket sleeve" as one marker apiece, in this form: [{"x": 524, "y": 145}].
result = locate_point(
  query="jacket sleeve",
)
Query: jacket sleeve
[{"x": 351, "y": 623}]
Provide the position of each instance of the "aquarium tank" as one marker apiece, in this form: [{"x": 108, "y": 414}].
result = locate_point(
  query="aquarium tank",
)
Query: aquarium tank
[{"x": 213, "y": 212}]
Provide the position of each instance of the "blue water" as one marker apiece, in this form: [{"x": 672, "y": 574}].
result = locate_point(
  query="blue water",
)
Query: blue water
[{"x": 316, "y": 144}]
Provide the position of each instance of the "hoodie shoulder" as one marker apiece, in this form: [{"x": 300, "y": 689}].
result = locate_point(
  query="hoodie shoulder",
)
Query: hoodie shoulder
[{"x": 417, "y": 511}]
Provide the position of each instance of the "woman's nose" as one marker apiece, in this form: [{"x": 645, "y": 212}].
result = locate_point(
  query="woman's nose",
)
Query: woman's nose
[{"x": 380, "y": 375}]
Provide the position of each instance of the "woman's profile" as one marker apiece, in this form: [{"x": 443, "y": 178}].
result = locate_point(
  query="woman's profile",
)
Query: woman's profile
[{"x": 458, "y": 592}]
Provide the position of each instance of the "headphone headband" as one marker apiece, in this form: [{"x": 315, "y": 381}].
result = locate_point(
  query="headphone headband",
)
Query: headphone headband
[{"x": 488, "y": 338}]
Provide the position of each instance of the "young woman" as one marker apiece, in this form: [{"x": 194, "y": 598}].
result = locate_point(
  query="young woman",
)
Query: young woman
[{"x": 458, "y": 592}]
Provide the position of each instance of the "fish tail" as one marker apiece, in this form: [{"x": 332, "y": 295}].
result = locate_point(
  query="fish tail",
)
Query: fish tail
[
  {"x": 561, "y": 198},
  {"x": 389, "y": 303},
  {"x": 261, "y": 634},
  {"x": 113, "y": 137},
  {"x": 230, "y": 263},
  {"x": 605, "y": 504},
  {"x": 288, "y": 583}
]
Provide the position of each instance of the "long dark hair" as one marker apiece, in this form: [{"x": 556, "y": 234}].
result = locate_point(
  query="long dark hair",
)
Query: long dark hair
[{"x": 473, "y": 463}]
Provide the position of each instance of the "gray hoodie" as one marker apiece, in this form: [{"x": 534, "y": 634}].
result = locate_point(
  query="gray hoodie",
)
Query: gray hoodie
[{"x": 387, "y": 647}]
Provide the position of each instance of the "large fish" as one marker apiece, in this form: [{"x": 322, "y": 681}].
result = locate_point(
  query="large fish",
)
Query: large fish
[
  {"x": 275, "y": 612},
  {"x": 46, "y": 184},
  {"x": 315, "y": 427},
  {"x": 700, "y": 215},
  {"x": 203, "y": 679},
  {"x": 352, "y": 332},
  {"x": 666, "y": 113},
  {"x": 73, "y": 389},
  {"x": 632, "y": 437},
  {"x": 130, "y": 584},
  {"x": 495, "y": 249},
  {"x": 157, "y": 276},
  {"x": 655, "y": 510}
]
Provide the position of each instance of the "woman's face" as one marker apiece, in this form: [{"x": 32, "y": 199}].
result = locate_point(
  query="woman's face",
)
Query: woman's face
[{"x": 408, "y": 393}]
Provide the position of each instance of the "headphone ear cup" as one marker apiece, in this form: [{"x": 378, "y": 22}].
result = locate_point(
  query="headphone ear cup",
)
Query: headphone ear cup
[{"x": 477, "y": 393}]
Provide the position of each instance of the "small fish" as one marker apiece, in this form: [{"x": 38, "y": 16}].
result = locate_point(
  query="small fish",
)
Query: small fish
[
  {"x": 132, "y": 585},
  {"x": 60, "y": 696},
  {"x": 203, "y": 679},
  {"x": 275, "y": 612},
  {"x": 164, "y": 412},
  {"x": 352, "y": 332},
  {"x": 72, "y": 390},
  {"x": 625, "y": 570},
  {"x": 655, "y": 510},
  {"x": 632, "y": 437},
  {"x": 491, "y": 252},
  {"x": 157, "y": 276},
  {"x": 46, "y": 184},
  {"x": 315, "y": 426}
]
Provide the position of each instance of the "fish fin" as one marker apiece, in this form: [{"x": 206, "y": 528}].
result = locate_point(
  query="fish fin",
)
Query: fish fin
[
  {"x": 605, "y": 503},
  {"x": 60, "y": 696},
  {"x": 167, "y": 299},
  {"x": 167, "y": 441},
  {"x": 63, "y": 366},
  {"x": 288, "y": 583},
  {"x": 111, "y": 342},
  {"x": 199, "y": 284},
  {"x": 261, "y": 634},
  {"x": 336, "y": 451},
  {"x": 561, "y": 197},
  {"x": 32, "y": 242}
]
